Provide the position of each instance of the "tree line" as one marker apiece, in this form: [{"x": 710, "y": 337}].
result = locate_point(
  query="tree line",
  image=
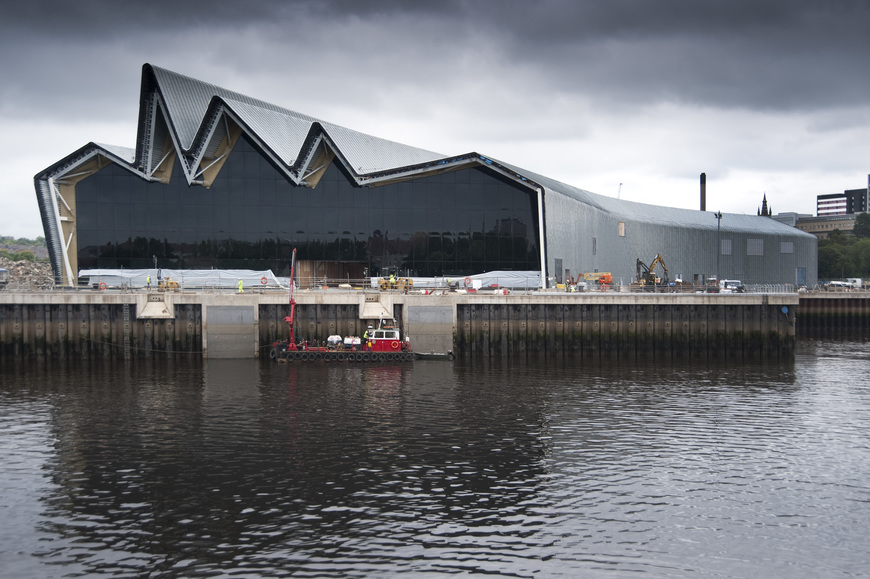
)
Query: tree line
[
  {"x": 11, "y": 247},
  {"x": 845, "y": 254}
]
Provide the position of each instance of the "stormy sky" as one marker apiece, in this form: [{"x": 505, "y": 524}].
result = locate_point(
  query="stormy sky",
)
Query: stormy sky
[{"x": 628, "y": 98}]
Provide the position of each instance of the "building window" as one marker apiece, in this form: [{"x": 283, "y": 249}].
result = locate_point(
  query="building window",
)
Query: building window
[
  {"x": 754, "y": 247},
  {"x": 622, "y": 228},
  {"x": 594, "y": 245},
  {"x": 725, "y": 247},
  {"x": 252, "y": 217},
  {"x": 786, "y": 246}
]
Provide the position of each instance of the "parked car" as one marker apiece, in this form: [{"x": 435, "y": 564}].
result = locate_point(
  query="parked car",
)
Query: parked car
[
  {"x": 731, "y": 286},
  {"x": 837, "y": 286}
]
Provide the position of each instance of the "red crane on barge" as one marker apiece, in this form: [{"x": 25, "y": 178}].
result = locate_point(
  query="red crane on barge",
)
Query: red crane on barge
[{"x": 382, "y": 344}]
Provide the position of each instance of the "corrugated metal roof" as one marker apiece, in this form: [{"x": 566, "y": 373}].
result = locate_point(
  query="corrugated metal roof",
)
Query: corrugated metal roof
[
  {"x": 284, "y": 134},
  {"x": 124, "y": 153},
  {"x": 282, "y": 130},
  {"x": 187, "y": 101},
  {"x": 658, "y": 214},
  {"x": 368, "y": 154}
]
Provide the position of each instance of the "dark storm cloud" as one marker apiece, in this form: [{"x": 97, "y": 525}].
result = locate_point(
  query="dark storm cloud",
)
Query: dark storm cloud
[
  {"x": 765, "y": 55},
  {"x": 757, "y": 54},
  {"x": 762, "y": 54}
]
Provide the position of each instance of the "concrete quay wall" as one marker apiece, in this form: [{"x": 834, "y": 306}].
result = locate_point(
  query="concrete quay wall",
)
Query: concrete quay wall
[
  {"x": 104, "y": 324},
  {"x": 633, "y": 326},
  {"x": 831, "y": 314}
]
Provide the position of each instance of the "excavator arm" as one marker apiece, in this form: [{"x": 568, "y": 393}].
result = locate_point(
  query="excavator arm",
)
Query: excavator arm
[
  {"x": 646, "y": 274},
  {"x": 642, "y": 271},
  {"x": 660, "y": 260},
  {"x": 291, "y": 319}
]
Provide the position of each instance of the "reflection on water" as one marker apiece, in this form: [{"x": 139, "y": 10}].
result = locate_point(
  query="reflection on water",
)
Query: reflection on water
[{"x": 511, "y": 469}]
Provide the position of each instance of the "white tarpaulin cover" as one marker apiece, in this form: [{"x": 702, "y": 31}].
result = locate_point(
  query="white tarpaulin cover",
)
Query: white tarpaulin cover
[
  {"x": 195, "y": 278},
  {"x": 508, "y": 279}
]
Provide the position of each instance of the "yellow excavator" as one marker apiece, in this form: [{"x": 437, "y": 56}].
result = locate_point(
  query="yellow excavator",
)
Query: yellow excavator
[
  {"x": 401, "y": 284},
  {"x": 169, "y": 284},
  {"x": 646, "y": 276}
]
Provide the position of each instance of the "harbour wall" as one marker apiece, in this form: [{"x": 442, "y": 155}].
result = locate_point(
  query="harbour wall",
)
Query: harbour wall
[
  {"x": 661, "y": 327},
  {"x": 833, "y": 314},
  {"x": 130, "y": 325}
]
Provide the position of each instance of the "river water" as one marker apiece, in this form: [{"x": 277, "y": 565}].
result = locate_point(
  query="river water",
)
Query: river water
[{"x": 558, "y": 469}]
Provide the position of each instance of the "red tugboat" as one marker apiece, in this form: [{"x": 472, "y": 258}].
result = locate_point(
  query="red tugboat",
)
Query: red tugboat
[{"x": 381, "y": 344}]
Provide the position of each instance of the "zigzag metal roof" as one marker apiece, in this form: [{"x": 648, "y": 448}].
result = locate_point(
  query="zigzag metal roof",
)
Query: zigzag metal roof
[
  {"x": 285, "y": 132},
  {"x": 190, "y": 102}
]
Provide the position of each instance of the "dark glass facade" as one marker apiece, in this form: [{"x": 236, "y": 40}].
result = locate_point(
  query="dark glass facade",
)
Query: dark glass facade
[{"x": 459, "y": 223}]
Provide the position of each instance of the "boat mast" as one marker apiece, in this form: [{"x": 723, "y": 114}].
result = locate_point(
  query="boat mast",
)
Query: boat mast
[{"x": 290, "y": 319}]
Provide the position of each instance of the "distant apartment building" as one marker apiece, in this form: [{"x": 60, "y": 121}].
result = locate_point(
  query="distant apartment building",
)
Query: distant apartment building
[
  {"x": 835, "y": 211},
  {"x": 846, "y": 203}
]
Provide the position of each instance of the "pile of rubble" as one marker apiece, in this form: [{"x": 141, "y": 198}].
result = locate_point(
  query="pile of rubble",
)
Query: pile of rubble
[{"x": 28, "y": 274}]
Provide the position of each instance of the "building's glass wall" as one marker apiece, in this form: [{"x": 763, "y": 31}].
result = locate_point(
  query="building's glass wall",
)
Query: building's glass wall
[{"x": 468, "y": 221}]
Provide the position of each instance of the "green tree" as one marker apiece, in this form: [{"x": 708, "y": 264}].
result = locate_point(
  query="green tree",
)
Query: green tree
[
  {"x": 17, "y": 255},
  {"x": 862, "y": 226},
  {"x": 9, "y": 240},
  {"x": 831, "y": 260},
  {"x": 861, "y": 258},
  {"x": 839, "y": 237}
]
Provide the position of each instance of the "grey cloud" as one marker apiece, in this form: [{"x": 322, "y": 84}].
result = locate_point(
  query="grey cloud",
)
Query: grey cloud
[
  {"x": 760, "y": 54},
  {"x": 764, "y": 55}
]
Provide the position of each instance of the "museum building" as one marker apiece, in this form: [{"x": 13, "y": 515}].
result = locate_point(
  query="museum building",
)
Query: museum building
[{"x": 219, "y": 180}]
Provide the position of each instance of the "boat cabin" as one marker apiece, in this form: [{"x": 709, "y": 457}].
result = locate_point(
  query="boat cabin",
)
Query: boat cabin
[{"x": 385, "y": 338}]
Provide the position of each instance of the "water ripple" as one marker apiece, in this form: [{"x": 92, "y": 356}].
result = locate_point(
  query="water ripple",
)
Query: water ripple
[{"x": 516, "y": 470}]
